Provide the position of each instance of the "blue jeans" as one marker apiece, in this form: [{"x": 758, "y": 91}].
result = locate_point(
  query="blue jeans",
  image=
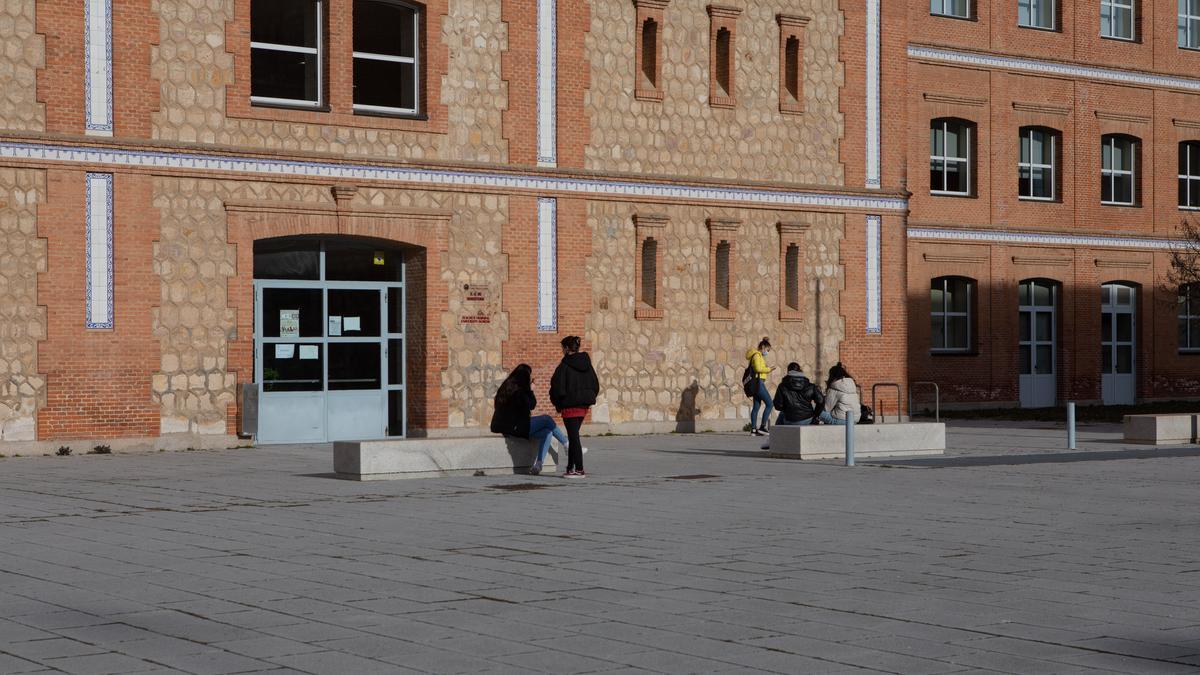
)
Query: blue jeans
[
  {"x": 826, "y": 418},
  {"x": 761, "y": 397},
  {"x": 542, "y": 428}
]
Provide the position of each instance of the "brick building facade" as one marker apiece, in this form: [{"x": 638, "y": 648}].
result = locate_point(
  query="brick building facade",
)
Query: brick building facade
[{"x": 370, "y": 210}]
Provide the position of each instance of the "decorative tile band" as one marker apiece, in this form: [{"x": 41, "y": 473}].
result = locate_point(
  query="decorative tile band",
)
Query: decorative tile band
[
  {"x": 874, "y": 281},
  {"x": 98, "y": 67},
  {"x": 872, "y": 133},
  {"x": 435, "y": 178},
  {"x": 547, "y": 263},
  {"x": 99, "y": 255},
  {"x": 1052, "y": 68},
  {"x": 1002, "y": 237},
  {"x": 547, "y": 82}
]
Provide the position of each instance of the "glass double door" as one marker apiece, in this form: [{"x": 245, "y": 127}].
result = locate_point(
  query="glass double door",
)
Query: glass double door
[
  {"x": 329, "y": 360},
  {"x": 1118, "y": 310},
  {"x": 1037, "y": 320}
]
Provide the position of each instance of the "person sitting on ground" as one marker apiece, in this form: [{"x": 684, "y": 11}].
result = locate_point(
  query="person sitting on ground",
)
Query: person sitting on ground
[
  {"x": 841, "y": 396},
  {"x": 514, "y": 401},
  {"x": 797, "y": 399}
]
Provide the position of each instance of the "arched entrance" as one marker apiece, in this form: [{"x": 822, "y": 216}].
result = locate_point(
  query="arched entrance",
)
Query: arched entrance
[{"x": 329, "y": 339}]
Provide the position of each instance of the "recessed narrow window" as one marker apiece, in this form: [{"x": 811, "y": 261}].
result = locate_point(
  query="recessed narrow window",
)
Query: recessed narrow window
[
  {"x": 649, "y": 273},
  {"x": 1189, "y": 24},
  {"x": 1117, "y": 19},
  {"x": 723, "y": 63},
  {"x": 650, "y": 54},
  {"x": 285, "y": 52},
  {"x": 791, "y": 273},
  {"x": 950, "y": 157},
  {"x": 1118, "y": 170},
  {"x": 721, "y": 280},
  {"x": 959, "y": 9},
  {"x": 1189, "y": 318},
  {"x": 950, "y": 314},
  {"x": 386, "y": 55},
  {"x": 1036, "y": 14},
  {"x": 1189, "y": 175},
  {"x": 791, "y": 68},
  {"x": 1036, "y": 168}
]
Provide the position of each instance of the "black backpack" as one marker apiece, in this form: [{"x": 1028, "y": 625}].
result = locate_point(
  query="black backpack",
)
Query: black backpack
[
  {"x": 866, "y": 415},
  {"x": 750, "y": 381}
]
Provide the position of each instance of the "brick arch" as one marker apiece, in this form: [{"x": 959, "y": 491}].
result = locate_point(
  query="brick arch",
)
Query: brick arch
[{"x": 422, "y": 234}]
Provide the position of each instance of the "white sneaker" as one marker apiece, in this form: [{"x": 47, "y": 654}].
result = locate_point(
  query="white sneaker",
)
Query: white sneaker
[{"x": 585, "y": 449}]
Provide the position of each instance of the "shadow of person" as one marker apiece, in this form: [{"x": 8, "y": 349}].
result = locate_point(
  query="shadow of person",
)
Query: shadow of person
[{"x": 685, "y": 417}]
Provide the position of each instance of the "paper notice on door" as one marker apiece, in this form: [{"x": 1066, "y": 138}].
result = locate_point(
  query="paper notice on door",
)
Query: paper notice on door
[
  {"x": 286, "y": 351},
  {"x": 289, "y": 323},
  {"x": 350, "y": 323},
  {"x": 335, "y": 326},
  {"x": 309, "y": 353}
]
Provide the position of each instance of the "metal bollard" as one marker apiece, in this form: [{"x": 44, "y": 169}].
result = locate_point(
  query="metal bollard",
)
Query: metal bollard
[
  {"x": 1070, "y": 425},
  {"x": 850, "y": 438}
]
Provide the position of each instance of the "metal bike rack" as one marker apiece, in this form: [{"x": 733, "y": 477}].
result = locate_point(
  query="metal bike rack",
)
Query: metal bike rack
[
  {"x": 937, "y": 399},
  {"x": 899, "y": 399}
]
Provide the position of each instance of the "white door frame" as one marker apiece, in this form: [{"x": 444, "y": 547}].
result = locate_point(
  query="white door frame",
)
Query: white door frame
[{"x": 1117, "y": 388}]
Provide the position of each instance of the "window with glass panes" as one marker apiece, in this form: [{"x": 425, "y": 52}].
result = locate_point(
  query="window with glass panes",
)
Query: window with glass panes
[
  {"x": 956, "y": 8},
  {"x": 286, "y": 52},
  {"x": 386, "y": 54},
  {"x": 1117, "y": 169},
  {"x": 950, "y": 313},
  {"x": 1189, "y": 317},
  {"x": 1036, "y": 14},
  {"x": 1116, "y": 19},
  {"x": 1189, "y": 175},
  {"x": 1035, "y": 170},
  {"x": 949, "y": 157},
  {"x": 1189, "y": 24}
]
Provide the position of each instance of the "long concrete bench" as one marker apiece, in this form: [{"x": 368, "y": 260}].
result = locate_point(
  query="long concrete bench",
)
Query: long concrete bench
[
  {"x": 1171, "y": 429},
  {"x": 430, "y": 457},
  {"x": 870, "y": 440}
]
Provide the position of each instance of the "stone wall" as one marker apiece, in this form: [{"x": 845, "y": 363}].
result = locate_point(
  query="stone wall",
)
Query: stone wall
[
  {"x": 194, "y": 69},
  {"x": 685, "y": 367},
  {"x": 22, "y": 321},
  {"x": 682, "y": 134},
  {"x": 22, "y": 53}
]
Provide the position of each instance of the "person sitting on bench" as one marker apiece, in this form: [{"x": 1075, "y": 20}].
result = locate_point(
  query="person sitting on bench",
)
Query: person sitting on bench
[{"x": 797, "y": 399}]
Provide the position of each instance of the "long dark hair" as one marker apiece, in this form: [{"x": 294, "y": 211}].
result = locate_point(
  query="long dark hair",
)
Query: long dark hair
[
  {"x": 517, "y": 382},
  {"x": 837, "y": 372}
]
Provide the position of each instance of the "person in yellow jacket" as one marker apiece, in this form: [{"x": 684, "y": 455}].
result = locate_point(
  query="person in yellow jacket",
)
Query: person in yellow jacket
[{"x": 762, "y": 397}]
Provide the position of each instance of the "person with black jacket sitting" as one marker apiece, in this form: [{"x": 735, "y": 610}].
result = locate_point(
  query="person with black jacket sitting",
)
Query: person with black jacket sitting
[
  {"x": 514, "y": 401},
  {"x": 573, "y": 390},
  {"x": 797, "y": 399}
]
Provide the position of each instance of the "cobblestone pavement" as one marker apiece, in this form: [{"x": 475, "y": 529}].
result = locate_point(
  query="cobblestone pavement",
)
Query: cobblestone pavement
[{"x": 678, "y": 554}]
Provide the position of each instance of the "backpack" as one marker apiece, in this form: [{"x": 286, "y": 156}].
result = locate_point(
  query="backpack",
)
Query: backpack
[
  {"x": 749, "y": 384},
  {"x": 866, "y": 415}
]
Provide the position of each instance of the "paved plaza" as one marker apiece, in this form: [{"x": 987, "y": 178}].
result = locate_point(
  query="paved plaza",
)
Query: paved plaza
[{"x": 678, "y": 554}]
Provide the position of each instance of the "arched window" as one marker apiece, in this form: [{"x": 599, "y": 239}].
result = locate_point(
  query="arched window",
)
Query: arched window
[
  {"x": 1189, "y": 175},
  {"x": 1118, "y": 169},
  {"x": 650, "y": 53},
  {"x": 1037, "y": 168},
  {"x": 387, "y": 51},
  {"x": 1036, "y": 14},
  {"x": 1189, "y": 24},
  {"x": 950, "y": 157},
  {"x": 959, "y": 9},
  {"x": 1189, "y": 318},
  {"x": 1117, "y": 19},
  {"x": 951, "y": 301},
  {"x": 650, "y": 272}
]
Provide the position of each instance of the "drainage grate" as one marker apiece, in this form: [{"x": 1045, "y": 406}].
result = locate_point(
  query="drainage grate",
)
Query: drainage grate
[{"x": 697, "y": 476}]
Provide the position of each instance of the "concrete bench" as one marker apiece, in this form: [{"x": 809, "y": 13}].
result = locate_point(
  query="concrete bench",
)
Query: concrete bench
[
  {"x": 430, "y": 457},
  {"x": 828, "y": 441},
  {"x": 1172, "y": 429}
]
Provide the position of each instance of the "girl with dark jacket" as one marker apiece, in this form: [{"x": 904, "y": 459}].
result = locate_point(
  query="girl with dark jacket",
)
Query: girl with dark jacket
[
  {"x": 514, "y": 401},
  {"x": 573, "y": 390}
]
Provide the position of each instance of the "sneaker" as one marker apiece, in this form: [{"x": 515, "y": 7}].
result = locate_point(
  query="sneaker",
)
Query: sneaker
[
  {"x": 766, "y": 446},
  {"x": 535, "y": 469},
  {"x": 585, "y": 449},
  {"x": 755, "y": 432},
  {"x": 569, "y": 473},
  {"x": 578, "y": 473}
]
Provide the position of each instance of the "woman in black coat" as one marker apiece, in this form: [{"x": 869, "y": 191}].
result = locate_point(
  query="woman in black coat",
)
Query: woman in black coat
[
  {"x": 513, "y": 404},
  {"x": 573, "y": 390}
]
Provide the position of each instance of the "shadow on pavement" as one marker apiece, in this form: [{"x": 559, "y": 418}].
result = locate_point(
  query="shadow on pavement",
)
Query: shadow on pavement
[{"x": 1038, "y": 458}]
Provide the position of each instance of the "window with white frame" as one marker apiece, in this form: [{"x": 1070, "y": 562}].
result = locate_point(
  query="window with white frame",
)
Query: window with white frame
[
  {"x": 386, "y": 53},
  {"x": 950, "y": 157},
  {"x": 1118, "y": 169},
  {"x": 1189, "y": 318},
  {"x": 1036, "y": 14},
  {"x": 950, "y": 314},
  {"x": 1189, "y": 175},
  {"x": 1116, "y": 19},
  {"x": 1036, "y": 167},
  {"x": 1189, "y": 24},
  {"x": 286, "y": 52},
  {"x": 960, "y": 9}
]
